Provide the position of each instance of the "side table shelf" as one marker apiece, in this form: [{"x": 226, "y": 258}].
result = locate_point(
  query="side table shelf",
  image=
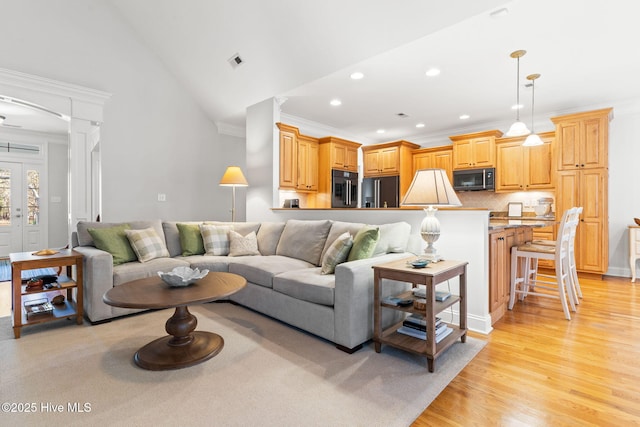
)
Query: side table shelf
[
  {"x": 430, "y": 277},
  {"x": 72, "y": 307}
]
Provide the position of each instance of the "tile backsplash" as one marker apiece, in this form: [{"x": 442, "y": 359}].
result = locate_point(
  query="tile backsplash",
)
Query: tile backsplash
[{"x": 500, "y": 201}]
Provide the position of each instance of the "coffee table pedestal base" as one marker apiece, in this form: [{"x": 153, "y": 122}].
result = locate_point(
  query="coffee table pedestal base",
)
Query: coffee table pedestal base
[{"x": 159, "y": 355}]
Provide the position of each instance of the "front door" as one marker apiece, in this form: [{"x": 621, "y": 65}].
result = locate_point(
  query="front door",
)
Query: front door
[{"x": 21, "y": 227}]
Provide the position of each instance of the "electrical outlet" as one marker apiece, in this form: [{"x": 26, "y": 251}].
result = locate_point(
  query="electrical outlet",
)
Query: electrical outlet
[{"x": 162, "y": 197}]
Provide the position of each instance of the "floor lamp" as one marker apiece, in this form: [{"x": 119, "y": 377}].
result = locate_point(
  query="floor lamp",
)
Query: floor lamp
[
  {"x": 233, "y": 177},
  {"x": 430, "y": 188}
]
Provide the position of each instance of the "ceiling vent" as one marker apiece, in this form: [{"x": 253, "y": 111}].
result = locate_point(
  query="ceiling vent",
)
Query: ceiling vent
[
  {"x": 235, "y": 61},
  {"x": 402, "y": 115}
]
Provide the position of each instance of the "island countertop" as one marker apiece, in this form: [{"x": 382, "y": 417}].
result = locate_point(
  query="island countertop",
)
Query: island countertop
[{"x": 498, "y": 224}]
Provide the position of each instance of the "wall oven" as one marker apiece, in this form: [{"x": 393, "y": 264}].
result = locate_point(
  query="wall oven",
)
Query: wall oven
[
  {"x": 344, "y": 189},
  {"x": 474, "y": 179}
]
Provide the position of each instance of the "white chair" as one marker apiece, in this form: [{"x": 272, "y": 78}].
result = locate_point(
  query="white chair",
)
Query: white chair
[
  {"x": 575, "y": 283},
  {"x": 525, "y": 278}
]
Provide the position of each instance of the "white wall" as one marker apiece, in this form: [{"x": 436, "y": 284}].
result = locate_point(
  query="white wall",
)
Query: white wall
[
  {"x": 155, "y": 139},
  {"x": 58, "y": 189}
]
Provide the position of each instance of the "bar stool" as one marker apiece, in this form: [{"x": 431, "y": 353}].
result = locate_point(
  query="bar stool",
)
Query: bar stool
[
  {"x": 526, "y": 280},
  {"x": 573, "y": 221}
]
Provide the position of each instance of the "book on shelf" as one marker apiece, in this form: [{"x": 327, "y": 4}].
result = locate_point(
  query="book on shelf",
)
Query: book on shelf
[
  {"x": 439, "y": 326},
  {"x": 421, "y": 292},
  {"x": 423, "y": 335}
]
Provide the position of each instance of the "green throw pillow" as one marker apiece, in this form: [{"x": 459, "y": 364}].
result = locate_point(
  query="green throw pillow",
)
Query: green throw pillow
[
  {"x": 114, "y": 240},
  {"x": 364, "y": 243},
  {"x": 190, "y": 239}
]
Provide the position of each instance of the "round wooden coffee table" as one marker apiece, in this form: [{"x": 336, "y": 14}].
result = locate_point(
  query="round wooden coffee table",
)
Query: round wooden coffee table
[{"x": 183, "y": 346}]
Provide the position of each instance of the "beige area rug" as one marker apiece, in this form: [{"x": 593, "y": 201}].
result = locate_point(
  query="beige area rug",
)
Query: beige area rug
[{"x": 268, "y": 374}]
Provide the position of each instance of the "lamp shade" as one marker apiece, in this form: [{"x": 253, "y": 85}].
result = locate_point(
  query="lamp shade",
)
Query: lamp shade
[
  {"x": 532, "y": 140},
  {"x": 518, "y": 128},
  {"x": 233, "y": 177},
  {"x": 431, "y": 187}
]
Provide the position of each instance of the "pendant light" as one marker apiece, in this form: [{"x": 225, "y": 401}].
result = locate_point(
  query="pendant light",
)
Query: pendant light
[
  {"x": 533, "y": 139},
  {"x": 518, "y": 128}
]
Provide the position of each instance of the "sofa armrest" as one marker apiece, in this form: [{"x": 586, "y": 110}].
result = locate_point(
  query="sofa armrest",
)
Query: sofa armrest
[
  {"x": 97, "y": 279},
  {"x": 353, "y": 301}
]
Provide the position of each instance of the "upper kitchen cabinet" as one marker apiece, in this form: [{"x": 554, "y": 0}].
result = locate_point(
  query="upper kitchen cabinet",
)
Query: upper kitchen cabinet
[
  {"x": 582, "y": 139},
  {"x": 298, "y": 160},
  {"x": 391, "y": 158},
  {"x": 434, "y": 158},
  {"x": 521, "y": 168},
  {"x": 339, "y": 153},
  {"x": 474, "y": 150}
]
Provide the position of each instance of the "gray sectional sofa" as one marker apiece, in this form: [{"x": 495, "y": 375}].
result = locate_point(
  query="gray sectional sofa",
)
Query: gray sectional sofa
[{"x": 284, "y": 280}]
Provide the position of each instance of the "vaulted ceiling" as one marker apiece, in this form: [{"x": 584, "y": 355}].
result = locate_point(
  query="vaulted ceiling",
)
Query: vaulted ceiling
[{"x": 305, "y": 51}]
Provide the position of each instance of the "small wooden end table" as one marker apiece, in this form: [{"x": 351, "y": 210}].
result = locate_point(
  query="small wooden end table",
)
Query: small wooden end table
[
  {"x": 430, "y": 276},
  {"x": 182, "y": 347},
  {"x": 28, "y": 261}
]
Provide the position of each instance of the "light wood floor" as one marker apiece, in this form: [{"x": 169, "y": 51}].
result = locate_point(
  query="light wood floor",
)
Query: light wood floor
[{"x": 539, "y": 369}]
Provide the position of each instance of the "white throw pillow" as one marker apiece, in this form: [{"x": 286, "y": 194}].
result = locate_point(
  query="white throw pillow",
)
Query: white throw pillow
[
  {"x": 337, "y": 253},
  {"x": 242, "y": 246},
  {"x": 215, "y": 239}
]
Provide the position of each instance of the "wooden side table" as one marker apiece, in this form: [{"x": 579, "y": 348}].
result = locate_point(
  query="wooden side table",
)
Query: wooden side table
[
  {"x": 634, "y": 249},
  {"x": 432, "y": 275},
  {"x": 28, "y": 261}
]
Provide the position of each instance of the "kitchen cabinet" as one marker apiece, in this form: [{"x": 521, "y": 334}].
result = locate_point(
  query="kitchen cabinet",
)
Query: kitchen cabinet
[
  {"x": 500, "y": 243},
  {"x": 587, "y": 188},
  {"x": 520, "y": 168},
  {"x": 474, "y": 150},
  {"x": 307, "y": 163},
  {"x": 339, "y": 153},
  {"x": 582, "y": 140},
  {"x": 582, "y": 145},
  {"x": 298, "y": 160},
  {"x": 389, "y": 159},
  {"x": 434, "y": 157}
]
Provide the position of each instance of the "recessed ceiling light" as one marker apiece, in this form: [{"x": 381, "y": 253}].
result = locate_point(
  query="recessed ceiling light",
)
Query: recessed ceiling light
[
  {"x": 335, "y": 102},
  {"x": 432, "y": 72},
  {"x": 357, "y": 75},
  {"x": 516, "y": 106},
  {"x": 464, "y": 117},
  {"x": 380, "y": 131},
  {"x": 420, "y": 125}
]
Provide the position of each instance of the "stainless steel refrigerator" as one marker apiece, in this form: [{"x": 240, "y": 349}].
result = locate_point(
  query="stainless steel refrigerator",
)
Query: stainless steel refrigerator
[{"x": 378, "y": 191}]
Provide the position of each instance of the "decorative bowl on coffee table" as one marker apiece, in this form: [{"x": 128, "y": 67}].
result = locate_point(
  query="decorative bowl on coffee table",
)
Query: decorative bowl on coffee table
[{"x": 182, "y": 276}]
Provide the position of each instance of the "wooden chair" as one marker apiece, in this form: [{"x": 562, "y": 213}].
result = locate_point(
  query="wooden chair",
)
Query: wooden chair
[{"x": 527, "y": 280}]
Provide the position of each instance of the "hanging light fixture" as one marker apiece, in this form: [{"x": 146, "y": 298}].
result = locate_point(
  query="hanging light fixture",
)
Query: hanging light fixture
[
  {"x": 533, "y": 139},
  {"x": 518, "y": 128},
  {"x": 2, "y": 119}
]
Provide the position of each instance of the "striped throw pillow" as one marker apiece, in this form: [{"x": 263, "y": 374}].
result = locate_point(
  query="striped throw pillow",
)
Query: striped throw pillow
[
  {"x": 215, "y": 238},
  {"x": 147, "y": 244},
  {"x": 337, "y": 253}
]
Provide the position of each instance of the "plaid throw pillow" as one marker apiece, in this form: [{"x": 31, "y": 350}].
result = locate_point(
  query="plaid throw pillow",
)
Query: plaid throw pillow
[
  {"x": 337, "y": 253},
  {"x": 147, "y": 244},
  {"x": 215, "y": 238}
]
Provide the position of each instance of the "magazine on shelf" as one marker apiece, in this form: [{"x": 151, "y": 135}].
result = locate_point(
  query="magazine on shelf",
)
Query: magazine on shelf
[
  {"x": 423, "y": 335},
  {"x": 421, "y": 292}
]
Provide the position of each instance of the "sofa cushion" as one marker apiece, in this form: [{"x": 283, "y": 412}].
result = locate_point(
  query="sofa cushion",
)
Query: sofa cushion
[
  {"x": 135, "y": 270},
  {"x": 269, "y": 236},
  {"x": 364, "y": 243},
  {"x": 190, "y": 239},
  {"x": 393, "y": 238},
  {"x": 147, "y": 244},
  {"x": 240, "y": 245},
  {"x": 260, "y": 270},
  {"x": 304, "y": 239},
  {"x": 243, "y": 228},
  {"x": 85, "y": 239},
  {"x": 307, "y": 285},
  {"x": 215, "y": 239},
  {"x": 209, "y": 262},
  {"x": 338, "y": 228},
  {"x": 337, "y": 253},
  {"x": 114, "y": 240}
]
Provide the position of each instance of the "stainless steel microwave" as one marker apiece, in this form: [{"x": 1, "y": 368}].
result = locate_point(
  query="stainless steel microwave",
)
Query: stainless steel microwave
[{"x": 474, "y": 179}]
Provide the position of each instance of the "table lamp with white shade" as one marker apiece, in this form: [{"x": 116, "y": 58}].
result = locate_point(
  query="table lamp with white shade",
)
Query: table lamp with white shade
[
  {"x": 233, "y": 177},
  {"x": 430, "y": 188}
]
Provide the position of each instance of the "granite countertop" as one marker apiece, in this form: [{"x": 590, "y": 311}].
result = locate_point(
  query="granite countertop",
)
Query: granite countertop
[{"x": 510, "y": 222}]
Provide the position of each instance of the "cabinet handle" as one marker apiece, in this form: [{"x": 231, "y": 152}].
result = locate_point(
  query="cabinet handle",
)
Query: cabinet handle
[{"x": 577, "y": 166}]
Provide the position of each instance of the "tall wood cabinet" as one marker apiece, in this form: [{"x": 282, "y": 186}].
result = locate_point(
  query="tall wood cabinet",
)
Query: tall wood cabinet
[
  {"x": 334, "y": 153},
  {"x": 298, "y": 160},
  {"x": 434, "y": 157},
  {"x": 582, "y": 180},
  {"x": 520, "y": 168},
  {"x": 389, "y": 159},
  {"x": 474, "y": 150}
]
